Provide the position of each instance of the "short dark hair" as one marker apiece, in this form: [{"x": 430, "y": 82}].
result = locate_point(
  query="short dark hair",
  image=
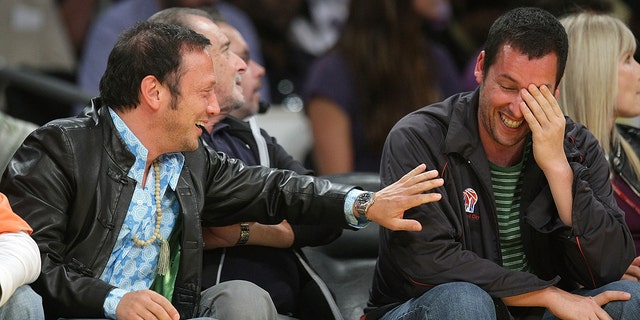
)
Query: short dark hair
[
  {"x": 146, "y": 49},
  {"x": 532, "y": 31}
]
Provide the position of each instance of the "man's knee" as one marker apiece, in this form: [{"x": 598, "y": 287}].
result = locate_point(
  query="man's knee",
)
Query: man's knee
[
  {"x": 23, "y": 304},
  {"x": 237, "y": 299},
  {"x": 462, "y": 298},
  {"x": 628, "y": 309},
  {"x": 462, "y": 292}
]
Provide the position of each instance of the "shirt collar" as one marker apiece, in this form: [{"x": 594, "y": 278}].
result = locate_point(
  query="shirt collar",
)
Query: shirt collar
[{"x": 170, "y": 163}]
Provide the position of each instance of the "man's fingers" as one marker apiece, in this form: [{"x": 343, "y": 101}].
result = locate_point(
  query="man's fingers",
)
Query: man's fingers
[
  {"x": 429, "y": 185},
  {"x": 533, "y": 105},
  {"x": 421, "y": 178},
  {"x": 416, "y": 171},
  {"x": 608, "y": 296},
  {"x": 553, "y": 103},
  {"x": 422, "y": 198},
  {"x": 404, "y": 225},
  {"x": 632, "y": 273}
]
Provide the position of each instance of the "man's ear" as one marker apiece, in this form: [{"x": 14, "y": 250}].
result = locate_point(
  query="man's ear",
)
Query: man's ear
[
  {"x": 151, "y": 91},
  {"x": 478, "y": 71}
]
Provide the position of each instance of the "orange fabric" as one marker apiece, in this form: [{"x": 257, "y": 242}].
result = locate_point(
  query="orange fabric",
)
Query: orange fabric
[{"x": 9, "y": 221}]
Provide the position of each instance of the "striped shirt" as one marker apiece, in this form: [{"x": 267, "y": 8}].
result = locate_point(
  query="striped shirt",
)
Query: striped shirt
[{"x": 507, "y": 186}]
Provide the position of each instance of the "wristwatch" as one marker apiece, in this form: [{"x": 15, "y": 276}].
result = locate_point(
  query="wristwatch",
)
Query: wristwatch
[
  {"x": 362, "y": 204},
  {"x": 244, "y": 234}
]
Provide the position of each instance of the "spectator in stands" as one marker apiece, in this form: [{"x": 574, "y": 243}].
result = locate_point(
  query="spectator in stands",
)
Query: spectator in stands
[
  {"x": 600, "y": 85},
  {"x": 271, "y": 257},
  {"x": 381, "y": 69},
  {"x": 529, "y": 228},
  {"x": 19, "y": 266}
]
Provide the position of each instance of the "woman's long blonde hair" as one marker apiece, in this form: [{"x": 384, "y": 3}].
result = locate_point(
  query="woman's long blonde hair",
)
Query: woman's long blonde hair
[{"x": 589, "y": 88}]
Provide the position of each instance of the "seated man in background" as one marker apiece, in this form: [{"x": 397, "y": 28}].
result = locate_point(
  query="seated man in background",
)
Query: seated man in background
[
  {"x": 267, "y": 255},
  {"x": 19, "y": 266}
]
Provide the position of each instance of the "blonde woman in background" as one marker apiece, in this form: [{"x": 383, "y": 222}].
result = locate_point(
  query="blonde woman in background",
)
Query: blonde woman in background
[{"x": 601, "y": 84}]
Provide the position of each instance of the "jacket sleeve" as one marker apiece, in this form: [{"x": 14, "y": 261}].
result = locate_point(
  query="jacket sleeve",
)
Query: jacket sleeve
[
  {"x": 304, "y": 235},
  {"x": 235, "y": 193},
  {"x": 598, "y": 248},
  {"x": 410, "y": 263},
  {"x": 38, "y": 182}
]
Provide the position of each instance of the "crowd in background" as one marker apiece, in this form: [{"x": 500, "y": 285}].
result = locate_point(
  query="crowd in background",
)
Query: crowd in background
[
  {"x": 354, "y": 67},
  {"x": 287, "y": 37}
]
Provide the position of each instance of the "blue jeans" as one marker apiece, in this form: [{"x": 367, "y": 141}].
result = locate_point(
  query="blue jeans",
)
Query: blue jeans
[
  {"x": 461, "y": 300},
  {"x": 629, "y": 309},
  {"x": 23, "y": 304},
  {"x": 454, "y": 300}
]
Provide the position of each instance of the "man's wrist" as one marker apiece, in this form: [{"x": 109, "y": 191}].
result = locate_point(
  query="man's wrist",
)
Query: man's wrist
[
  {"x": 349, "y": 206},
  {"x": 111, "y": 302},
  {"x": 362, "y": 204},
  {"x": 244, "y": 234}
]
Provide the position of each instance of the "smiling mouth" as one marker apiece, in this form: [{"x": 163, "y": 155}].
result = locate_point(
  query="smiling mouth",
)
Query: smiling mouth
[{"x": 510, "y": 123}]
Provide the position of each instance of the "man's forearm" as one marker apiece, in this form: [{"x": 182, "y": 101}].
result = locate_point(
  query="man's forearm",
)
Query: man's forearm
[
  {"x": 277, "y": 236},
  {"x": 561, "y": 184}
]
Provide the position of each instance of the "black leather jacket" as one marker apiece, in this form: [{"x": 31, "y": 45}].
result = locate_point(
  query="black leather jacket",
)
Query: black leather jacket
[{"x": 69, "y": 182}]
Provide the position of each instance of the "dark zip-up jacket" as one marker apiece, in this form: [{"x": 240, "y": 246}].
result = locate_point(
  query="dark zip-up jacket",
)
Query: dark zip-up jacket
[
  {"x": 278, "y": 156},
  {"x": 459, "y": 243},
  {"x": 69, "y": 182}
]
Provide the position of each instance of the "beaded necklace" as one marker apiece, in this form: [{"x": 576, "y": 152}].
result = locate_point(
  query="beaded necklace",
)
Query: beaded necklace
[{"x": 163, "y": 259}]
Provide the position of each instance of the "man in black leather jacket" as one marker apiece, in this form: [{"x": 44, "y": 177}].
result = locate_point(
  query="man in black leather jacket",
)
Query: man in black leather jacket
[{"x": 116, "y": 196}]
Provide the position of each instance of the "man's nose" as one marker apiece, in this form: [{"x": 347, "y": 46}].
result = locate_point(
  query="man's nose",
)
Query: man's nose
[{"x": 213, "y": 107}]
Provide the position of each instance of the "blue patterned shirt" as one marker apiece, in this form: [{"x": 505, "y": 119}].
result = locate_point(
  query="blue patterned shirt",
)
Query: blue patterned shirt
[{"x": 131, "y": 267}]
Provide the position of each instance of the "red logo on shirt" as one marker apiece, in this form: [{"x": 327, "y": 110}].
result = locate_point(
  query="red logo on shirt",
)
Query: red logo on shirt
[{"x": 470, "y": 199}]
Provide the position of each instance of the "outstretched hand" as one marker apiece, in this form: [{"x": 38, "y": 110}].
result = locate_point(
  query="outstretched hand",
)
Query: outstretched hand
[{"x": 406, "y": 193}]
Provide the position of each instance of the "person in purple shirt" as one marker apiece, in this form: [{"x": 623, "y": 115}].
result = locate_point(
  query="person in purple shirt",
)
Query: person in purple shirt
[
  {"x": 126, "y": 13},
  {"x": 381, "y": 68}
]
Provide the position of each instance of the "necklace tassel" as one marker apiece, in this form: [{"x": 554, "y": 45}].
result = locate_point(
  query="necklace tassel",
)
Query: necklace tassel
[{"x": 163, "y": 260}]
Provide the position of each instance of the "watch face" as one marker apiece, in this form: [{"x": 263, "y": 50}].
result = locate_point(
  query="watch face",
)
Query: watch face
[
  {"x": 364, "y": 198},
  {"x": 363, "y": 202}
]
